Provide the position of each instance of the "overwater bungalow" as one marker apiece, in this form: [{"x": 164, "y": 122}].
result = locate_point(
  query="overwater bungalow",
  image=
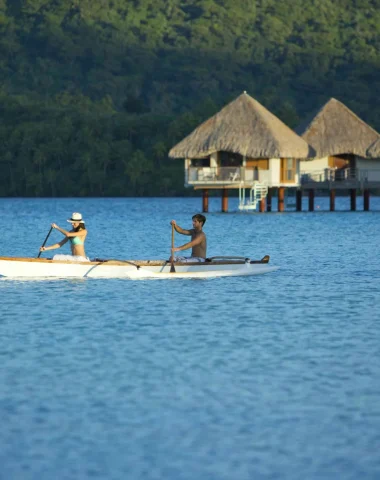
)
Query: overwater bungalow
[
  {"x": 245, "y": 147},
  {"x": 340, "y": 140}
]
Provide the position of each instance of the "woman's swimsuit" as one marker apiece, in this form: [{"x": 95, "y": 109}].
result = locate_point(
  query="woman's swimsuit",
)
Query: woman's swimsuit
[{"x": 76, "y": 241}]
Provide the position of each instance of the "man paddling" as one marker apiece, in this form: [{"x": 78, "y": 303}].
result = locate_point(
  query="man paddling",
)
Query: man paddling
[{"x": 198, "y": 242}]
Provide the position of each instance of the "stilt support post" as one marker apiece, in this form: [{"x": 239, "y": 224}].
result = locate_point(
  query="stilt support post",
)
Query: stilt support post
[
  {"x": 332, "y": 200},
  {"x": 299, "y": 200},
  {"x": 366, "y": 200},
  {"x": 281, "y": 199},
  {"x": 225, "y": 200},
  {"x": 205, "y": 200},
  {"x": 353, "y": 199},
  {"x": 311, "y": 200},
  {"x": 269, "y": 199}
]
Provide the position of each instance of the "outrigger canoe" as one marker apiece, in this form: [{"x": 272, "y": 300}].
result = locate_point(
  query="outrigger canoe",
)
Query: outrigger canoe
[{"x": 16, "y": 267}]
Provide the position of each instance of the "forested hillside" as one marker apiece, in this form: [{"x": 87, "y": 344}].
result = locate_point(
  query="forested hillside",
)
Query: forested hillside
[{"x": 94, "y": 93}]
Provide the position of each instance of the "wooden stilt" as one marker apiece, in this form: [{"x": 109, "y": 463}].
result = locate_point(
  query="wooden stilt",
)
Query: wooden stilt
[
  {"x": 205, "y": 200},
  {"x": 332, "y": 200},
  {"x": 311, "y": 200},
  {"x": 366, "y": 200},
  {"x": 269, "y": 200},
  {"x": 299, "y": 201},
  {"x": 281, "y": 199},
  {"x": 353, "y": 199},
  {"x": 225, "y": 200},
  {"x": 262, "y": 205}
]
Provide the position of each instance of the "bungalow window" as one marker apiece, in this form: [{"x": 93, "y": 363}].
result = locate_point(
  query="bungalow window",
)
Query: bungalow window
[
  {"x": 200, "y": 162},
  {"x": 229, "y": 159},
  {"x": 288, "y": 169}
]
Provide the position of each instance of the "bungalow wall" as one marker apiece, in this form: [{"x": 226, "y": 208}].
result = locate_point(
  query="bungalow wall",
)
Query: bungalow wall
[
  {"x": 256, "y": 169},
  {"x": 368, "y": 169},
  {"x": 274, "y": 171},
  {"x": 284, "y": 172},
  {"x": 315, "y": 165}
]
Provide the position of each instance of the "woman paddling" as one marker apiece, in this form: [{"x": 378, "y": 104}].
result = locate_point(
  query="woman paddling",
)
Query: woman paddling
[{"x": 76, "y": 236}]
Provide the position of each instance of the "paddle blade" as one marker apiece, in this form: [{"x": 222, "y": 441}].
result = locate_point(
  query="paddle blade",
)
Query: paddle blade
[{"x": 172, "y": 268}]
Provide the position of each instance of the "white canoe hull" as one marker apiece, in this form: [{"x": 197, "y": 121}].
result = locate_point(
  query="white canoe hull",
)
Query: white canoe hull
[{"x": 134, "y": 269}]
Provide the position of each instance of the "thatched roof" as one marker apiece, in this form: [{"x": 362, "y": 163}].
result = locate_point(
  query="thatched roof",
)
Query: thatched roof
[
  {"x": 374, "y": 149},
  {"x": 334, "y": 129},
  {"x": 243, "y": 126}
]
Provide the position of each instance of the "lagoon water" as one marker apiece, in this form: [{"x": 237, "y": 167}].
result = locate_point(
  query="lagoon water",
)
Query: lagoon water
[{"x": 268, "y": 377}]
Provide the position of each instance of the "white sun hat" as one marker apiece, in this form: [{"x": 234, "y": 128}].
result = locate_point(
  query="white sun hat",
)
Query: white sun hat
[{"x": 76, "y": 217}]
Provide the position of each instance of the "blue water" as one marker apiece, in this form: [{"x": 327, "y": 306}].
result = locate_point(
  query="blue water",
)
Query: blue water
[{"x": 268, "y": 377}]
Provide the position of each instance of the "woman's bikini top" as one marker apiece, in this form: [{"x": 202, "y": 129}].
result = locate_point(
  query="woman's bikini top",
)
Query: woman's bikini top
[{"x": 76, "y": 241}]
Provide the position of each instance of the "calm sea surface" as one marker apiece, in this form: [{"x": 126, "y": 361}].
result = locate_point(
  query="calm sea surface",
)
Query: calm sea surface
[{"x": 268, "y": 377}]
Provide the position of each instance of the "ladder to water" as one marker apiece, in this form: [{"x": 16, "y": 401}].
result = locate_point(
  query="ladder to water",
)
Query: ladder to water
[{"x": 257, "y": 192}]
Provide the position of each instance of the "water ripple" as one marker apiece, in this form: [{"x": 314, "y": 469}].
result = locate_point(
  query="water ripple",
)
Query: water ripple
[{"x": 269, "y": 377}]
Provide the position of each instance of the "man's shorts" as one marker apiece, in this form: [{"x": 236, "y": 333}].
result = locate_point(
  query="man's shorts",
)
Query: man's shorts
[{"x": 188, "y": 259}]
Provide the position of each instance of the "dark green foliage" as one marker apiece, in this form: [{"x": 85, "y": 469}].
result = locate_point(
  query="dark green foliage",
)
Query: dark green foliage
[{"x": 94, "y": 93}]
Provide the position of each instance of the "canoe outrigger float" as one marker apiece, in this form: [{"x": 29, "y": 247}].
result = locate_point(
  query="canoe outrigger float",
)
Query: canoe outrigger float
[{"x": 17, "y": 267}]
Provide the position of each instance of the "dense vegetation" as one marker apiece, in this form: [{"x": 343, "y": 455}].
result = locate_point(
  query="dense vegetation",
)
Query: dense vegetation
[{"x": 93, "y": 93}]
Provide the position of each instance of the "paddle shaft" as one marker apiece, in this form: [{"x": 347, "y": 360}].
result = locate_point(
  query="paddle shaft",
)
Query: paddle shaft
[
  {"x": 47, "y": 236},
  {"x": 172, "y": 268}
]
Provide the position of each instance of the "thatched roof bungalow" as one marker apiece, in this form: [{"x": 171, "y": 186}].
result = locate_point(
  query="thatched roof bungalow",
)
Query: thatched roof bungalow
[
  {"x": 245, "y": 127},
  {"x": 243, "y": 134},
  {"x": 339, "y": 138}
]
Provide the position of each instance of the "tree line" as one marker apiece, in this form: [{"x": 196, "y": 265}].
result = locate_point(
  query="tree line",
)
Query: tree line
[{"x": 93, "y": 94}]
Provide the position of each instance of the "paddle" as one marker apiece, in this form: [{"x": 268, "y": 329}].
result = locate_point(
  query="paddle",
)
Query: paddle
[
  {"x": 172, "y": 269},
  {"x": 47, "y": 236}
]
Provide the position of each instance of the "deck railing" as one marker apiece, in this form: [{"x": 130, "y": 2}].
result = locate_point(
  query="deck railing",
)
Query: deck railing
[
  {"x": 243, "y": 175},
  {"x": 225, "y": 175},
  {"x": 214, "y": 174},
  {"x": 346, "y": 175}
]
